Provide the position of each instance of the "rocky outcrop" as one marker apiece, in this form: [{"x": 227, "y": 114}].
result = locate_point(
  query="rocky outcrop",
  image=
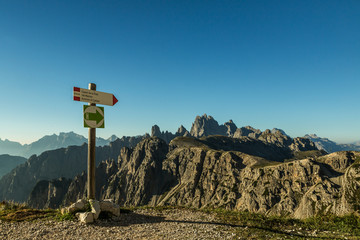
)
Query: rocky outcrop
[
  {"x": 182, "y": 132},
  {"x": 219, "y": 171},
  {"x": 168, "y": 136},
  {"x": 136, "y": 178},
  {"x": 87, "y": 211},
  {"x": 247, "y": 132},
  {"x": 48, "y": 194},
  {"x": 249, "y": 170},
  {"x": 230, "y": 128},
  {"x": 205, "y": 126}
]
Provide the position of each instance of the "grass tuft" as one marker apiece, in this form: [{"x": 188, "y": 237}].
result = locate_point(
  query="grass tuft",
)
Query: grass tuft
[{"x": 15, "y": 212}]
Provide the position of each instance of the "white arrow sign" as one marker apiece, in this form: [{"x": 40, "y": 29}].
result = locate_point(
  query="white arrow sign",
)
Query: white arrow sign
[
  {"x": 93, "y": 116},
  {"x": 91, "y": 96}
]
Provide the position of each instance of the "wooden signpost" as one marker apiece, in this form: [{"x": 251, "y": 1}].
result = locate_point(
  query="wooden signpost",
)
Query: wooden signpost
[{"x": 93, "y": 118}]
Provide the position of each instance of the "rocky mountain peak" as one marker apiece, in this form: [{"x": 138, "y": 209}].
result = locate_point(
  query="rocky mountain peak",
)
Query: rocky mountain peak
[
  {"x": 155, "y": 131},
  {"x": 247, "y": 131},
  {"x": 231, "y": 128},
  {"x": 311, "y": 135},
  {"x": 182, "y": 131},
  {"x": 278, "y": 132},
  {"x": 205, "y": 126}
]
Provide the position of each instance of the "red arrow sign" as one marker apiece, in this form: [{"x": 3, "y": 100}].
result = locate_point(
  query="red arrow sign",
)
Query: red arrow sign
[{"x": 91, "y": 96}]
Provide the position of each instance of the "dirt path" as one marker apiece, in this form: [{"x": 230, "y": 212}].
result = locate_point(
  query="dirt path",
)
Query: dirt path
[{"x": 140, "y": 224}]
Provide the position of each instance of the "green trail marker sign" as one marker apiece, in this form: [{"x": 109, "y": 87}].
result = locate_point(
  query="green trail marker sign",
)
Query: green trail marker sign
[{"x": 93, "y": 117}]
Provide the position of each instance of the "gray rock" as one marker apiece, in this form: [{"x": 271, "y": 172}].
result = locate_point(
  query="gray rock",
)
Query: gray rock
[
  {"x": 247, "y": 131},
  {"x": 95, "y": 208},
  {"x": 48, "y": 194},
  {"x": 182, "y": 132},
  {"x": 77, "y": 206},
  {"x": 230, "y": 128},
  {"x": 107, "y": 205},
  {"x": 86, "y": 217},
  {"x": 207, "y": 126}
]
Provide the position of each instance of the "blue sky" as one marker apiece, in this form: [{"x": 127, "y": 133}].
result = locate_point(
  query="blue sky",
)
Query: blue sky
[{"x": 293, "y": 65}]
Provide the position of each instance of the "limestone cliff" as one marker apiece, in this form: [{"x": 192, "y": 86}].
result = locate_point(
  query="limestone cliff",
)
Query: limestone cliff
[
  {"x": 206, "y": 126},
  {"x": 244, "y": 174}
]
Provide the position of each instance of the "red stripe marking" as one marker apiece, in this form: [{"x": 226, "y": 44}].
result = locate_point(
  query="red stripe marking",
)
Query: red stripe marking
[
  {"x": 76, "y": 98},
  {"x": 76, "y": 89}
]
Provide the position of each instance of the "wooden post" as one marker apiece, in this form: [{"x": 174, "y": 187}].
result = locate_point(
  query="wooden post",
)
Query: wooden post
[{"x": 91, "y": 156}]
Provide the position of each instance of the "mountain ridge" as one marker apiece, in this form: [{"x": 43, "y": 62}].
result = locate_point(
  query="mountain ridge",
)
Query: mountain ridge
[
  {"x": 48, "y": 142},
  {"x": 8, "y": 162},
  {"x": 201, "y": 173},
  {"x": 331, "y": 146},
  {"x": 223, "y": 166}
]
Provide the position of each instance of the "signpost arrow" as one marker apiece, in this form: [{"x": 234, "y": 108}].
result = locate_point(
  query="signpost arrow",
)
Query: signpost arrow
[
  {"x": 97, "y": 117},
  {"x": 93, "y": 116},
  {"x": 92, "y": 96}
]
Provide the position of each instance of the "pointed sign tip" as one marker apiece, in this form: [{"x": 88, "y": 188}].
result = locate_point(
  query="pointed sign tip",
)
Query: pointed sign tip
[{"x": 114, "y": 100}]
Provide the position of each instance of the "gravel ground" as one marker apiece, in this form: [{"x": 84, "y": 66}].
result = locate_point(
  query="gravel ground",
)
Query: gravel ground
[{"x": 140, "y": 224}]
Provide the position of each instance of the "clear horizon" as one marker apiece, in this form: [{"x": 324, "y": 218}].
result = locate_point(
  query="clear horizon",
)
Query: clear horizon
[{"x": 293, "y": 65}]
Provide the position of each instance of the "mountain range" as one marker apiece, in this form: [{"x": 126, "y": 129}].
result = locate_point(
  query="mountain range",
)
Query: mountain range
[
  {"x": 211, "y": 165},
  {"x": 273, "y": 175},
  {"x": 202, "y": 126},
  {"x": 48, "y": 142}
]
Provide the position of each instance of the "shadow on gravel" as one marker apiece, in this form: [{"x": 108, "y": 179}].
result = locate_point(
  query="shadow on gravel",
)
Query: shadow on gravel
[
  {"x": 253, "y": 227},
  {"x": 132, "y": 218},
  {"x": 128, "y": 219}
]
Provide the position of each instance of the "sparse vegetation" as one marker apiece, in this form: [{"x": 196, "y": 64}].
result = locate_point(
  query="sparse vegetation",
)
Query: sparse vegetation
[
  {"x": 244, "y": 224},
  {"x": 66, "y": 217},
  {"x": 259, "y": 226},
  {"x": 11, "y": 211}
]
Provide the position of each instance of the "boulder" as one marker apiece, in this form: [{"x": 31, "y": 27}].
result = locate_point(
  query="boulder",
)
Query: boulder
[
  {"x": 95, "y": 208},
  {"x": 108, "y": 205},
  {"x": 86, "y": 217},
  {"x": 79, "y": 205}
]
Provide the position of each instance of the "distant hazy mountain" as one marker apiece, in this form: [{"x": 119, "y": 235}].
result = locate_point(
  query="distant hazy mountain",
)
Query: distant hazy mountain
[
  {"x": 48, "y": 142},
  {"x": 331, "y": 146},
  {"x": 7, "y": 163},
  {"x": 10, "y": 147},
  {"x": 64, "y": 162}
]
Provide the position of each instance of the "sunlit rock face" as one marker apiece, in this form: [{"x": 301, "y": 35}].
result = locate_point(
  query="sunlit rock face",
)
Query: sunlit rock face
[{"x": 251, "y": 175}]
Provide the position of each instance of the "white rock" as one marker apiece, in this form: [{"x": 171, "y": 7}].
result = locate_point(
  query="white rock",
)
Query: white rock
[
  {"x": 108, "y": 205},
  {"x": 95, "y": 208},
  {"x": 86, "y": 217},
  {"x": 79, "y": 205}
]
